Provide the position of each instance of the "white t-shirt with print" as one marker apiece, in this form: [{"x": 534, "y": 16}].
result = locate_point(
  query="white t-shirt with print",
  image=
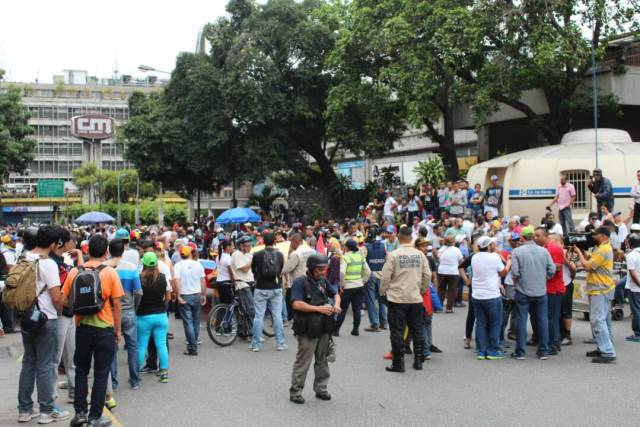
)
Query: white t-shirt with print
[
  {"x": 239, "y": 260},
  {"x": 388, "y": 205},
  {"x": 47, "y": 276},
  {"x": 633, "y": 263},
  {"x": 485, "y": 283},
  {"x": 189, "y": 273},
  {"x": 449, "y": 257}
]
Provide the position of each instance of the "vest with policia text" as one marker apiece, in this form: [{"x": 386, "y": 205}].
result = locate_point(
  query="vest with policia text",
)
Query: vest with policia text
[
  {"x": 355, "y": 264},
  {"x": 376, "y": 255}
]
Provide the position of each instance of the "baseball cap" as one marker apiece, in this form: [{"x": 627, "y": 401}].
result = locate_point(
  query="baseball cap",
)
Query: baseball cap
[
  {"x": 122, "y": 233},
  {"x": 515, "y": 236},
  {"x": 528, "y": 231},
  {"x": 8, "y": 238},
  {"x": 460, "y": 238},
  {"x": 635, "y": 227},
  {"x": 602, "y": 230},
  {"x": 391, "y": 229},
  {"x": 149, "y": 259},
  {"x": 185, "y": 250},
  {"x": 421, "y": 241},
  {"x": 485, "y": 241},
  {"x": 494, "y": 177}
]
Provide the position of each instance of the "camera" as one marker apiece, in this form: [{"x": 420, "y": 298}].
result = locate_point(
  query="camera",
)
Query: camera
[{"x": 583, "y": 241}]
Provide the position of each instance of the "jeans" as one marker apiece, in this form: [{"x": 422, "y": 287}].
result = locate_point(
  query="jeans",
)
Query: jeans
[
  {"x": 66, "y": 332},
  {"x": 634, "y": 304},
  {"x": 565, "y": 217},
  {"x": 460, "y": 291},
  {"x": 284, "y": 305},
  {"x": 488, "y": 324},
  {"x": 401, "y": 316},
  {"x": 130, "y": 334},
  {"x": 537, "y": 308},
  {"x": 158, "y": 326},
  {"x": 190, "y": 313},
  {"x": 267, "y": 298},
  {"x": 38, "y": 364},
  {"x": 7, "y": 317},
  {"x": 427, "y": 334},
  {"x": 555, "y": 307},
  {"x": 389, "y": 219},
  {"x": 246, "y": 301},
  {"x": 97, "y": 344},
  {"x": 600, "y": 318},
  {"x": 377, "y": 315},
  {"x": 619, "y": 292},
  {"x": 508, "y": 310},
  {"x": 353, "y": 296}
]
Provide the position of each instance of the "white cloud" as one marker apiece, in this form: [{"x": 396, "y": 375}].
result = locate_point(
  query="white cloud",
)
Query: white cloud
[{"x": 41, "y": 38}]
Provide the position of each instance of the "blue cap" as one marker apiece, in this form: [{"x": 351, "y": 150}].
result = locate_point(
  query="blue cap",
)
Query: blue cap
[
  {"x": 122, "y": 234},
  {"x": 515, "y": 236},
  {"x": 391, "y": 229}
]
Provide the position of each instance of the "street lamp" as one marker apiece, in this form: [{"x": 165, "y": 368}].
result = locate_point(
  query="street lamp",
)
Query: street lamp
[
  {"x": 148, "y": 68},
  {"x": 118, "y": 196}
]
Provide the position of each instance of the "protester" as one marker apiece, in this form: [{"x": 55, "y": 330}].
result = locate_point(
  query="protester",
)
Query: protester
[
  {"x": 602, "y": 190},
  {"x": 192, "y": 295},
  {"x": 376, "y": 257},
  {"x": 565, "y": 198},
  {"x": 449, "y": 257}
]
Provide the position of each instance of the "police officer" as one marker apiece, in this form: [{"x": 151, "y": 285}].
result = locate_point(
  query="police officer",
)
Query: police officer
[
  {"x": 376, "y": 255},
  {"x": 405, "y": 278},
  {"x": 354, "y": 273},
  {"x": 313, "y": 321}
]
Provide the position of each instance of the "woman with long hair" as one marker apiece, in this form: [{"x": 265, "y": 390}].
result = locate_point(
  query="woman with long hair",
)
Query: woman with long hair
[
  {"x": 152, "y": 317},
  {"x": 225, "y": 280}
]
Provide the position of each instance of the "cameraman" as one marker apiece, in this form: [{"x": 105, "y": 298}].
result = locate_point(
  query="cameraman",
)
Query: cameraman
[
  {"x": 602, "y": 189},
  {"x": 600, "y": 287}
]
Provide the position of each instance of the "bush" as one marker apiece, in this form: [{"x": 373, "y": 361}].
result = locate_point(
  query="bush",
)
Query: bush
[{"x": 148, "y": 211}]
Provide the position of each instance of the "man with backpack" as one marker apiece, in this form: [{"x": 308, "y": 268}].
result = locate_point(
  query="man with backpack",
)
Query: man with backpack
[
  {"x": 93, "y": 292},
  {"x": 376, "y": 256},
  {"x": 32, "y": 288},
  {"x": 267, "y": 267}
]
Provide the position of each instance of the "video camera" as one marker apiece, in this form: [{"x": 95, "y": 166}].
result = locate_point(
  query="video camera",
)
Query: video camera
[{"x": 583, "y": 241}]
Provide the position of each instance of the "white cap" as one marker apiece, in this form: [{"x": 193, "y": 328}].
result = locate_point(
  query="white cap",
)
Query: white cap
[
  {"x": 485, "y": 241},
  {"x": 460, "y": 238},
  {"x": 635, "y": 227}
]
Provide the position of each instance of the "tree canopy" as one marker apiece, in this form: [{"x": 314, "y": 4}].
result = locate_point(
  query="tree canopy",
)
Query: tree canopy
[{"x": 89, "y": 176}]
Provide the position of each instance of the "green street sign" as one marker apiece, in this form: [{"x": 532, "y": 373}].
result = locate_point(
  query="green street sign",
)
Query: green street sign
[{"x": 50, "y": 188}]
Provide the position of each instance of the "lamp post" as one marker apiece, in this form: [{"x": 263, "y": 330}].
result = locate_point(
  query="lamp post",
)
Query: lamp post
[
  {"x": 118, "y": 196},
  {"x": 595, "y": 96},
  {"x": 137, "y": 214},
  {"x": 148, "y": 68}
]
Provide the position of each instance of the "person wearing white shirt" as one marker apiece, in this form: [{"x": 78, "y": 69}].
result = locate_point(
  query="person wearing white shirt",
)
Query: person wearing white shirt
[
  {"x": 192, "y": 294},
  {"x": 390, "y": 205},
  {"x": 635, "y": 194},
  {"x": 633, "y": 285},
  {"x": 448, "y": 271},
  {"x": 241, "y": 270}
]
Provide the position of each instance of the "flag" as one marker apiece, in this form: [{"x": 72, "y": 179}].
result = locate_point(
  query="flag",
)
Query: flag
[{"x": 320, "y": 247}]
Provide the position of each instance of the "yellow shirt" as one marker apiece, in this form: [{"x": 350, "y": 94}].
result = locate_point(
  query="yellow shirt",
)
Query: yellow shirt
[{"x": 600, "y": 278}]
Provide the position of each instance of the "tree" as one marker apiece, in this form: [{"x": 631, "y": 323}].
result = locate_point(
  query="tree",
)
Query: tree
[
  {"x": 506, "y": 48},
  {"x": 265, "y": 199},
  {"x": 16, "y": 147},
  {"x": 396, "y": 45},
  {"x": 88, "y": 176}
]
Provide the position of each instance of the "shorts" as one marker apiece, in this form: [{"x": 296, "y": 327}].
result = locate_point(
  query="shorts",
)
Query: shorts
[{"x": 566, "y": 308}]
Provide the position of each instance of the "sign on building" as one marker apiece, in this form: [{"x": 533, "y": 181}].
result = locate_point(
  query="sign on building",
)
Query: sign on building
[
  {"x": 50, "y": 188},
  {"x": 93, "y": 126}
]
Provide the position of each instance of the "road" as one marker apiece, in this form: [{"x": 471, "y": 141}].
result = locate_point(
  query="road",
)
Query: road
[{"x": 233, "y": 386}]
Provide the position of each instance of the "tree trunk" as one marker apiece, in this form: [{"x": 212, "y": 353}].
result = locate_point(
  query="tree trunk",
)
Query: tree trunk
[
  {"x": 327, "y": 180},
  {"x": 447, "y": 145}
]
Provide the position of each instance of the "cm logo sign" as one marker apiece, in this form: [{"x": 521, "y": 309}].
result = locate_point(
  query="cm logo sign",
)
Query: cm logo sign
[{"x": 93, "y": 126}]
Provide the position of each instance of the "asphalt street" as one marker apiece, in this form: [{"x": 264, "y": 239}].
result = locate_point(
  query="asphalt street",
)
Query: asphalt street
[{"x": 232, "y": 386}]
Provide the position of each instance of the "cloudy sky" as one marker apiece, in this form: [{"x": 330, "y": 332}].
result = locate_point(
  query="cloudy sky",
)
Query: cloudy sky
[{"x": 40, "y": 38}]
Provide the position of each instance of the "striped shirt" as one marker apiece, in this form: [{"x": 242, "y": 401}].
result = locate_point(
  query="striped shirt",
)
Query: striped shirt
[{"x": 600, "y": 278}]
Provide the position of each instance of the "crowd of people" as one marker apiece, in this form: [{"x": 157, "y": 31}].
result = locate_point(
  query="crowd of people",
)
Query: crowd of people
[{"x": 93, "y": 287}]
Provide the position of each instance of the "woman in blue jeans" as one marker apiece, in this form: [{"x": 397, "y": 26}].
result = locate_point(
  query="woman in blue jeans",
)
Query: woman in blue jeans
[{"x": 152, "y": 316}]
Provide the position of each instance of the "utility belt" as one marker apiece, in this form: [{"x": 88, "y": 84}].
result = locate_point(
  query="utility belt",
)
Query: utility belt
[{"x": 312, "y": 325}]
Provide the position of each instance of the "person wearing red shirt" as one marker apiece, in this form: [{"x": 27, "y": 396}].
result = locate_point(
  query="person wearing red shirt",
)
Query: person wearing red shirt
[{"x": 555, "y": 288}]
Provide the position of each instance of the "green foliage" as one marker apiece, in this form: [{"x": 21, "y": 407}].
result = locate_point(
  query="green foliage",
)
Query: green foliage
[
  {"x": 430, "y": 171},
  {"x": 318, "y": 214},
  {"x": 17, "y": 149},
  {"x": 265, "y": 199},
  {"x": 88, "y": 176},
  {"x": 148, "y": 211}
]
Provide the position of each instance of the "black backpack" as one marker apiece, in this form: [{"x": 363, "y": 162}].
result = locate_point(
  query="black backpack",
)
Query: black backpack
[
  {"x": 86, "y": 292},
  {"x": 270, "y": 264}
]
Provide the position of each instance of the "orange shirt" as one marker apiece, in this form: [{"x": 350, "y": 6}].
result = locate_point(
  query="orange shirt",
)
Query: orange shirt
[{"x": 111, "y": 288}]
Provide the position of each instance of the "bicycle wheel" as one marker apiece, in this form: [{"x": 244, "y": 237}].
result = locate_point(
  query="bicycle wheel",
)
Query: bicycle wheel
[
  {"x": 267, "y": 325},
  {"x": 222, "y": 325}
]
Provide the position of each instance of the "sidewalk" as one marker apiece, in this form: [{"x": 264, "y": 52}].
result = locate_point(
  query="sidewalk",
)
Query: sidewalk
[{"x": 10, "y": 353}]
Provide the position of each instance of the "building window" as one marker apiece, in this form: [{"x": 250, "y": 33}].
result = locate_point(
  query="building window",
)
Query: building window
[{"x": 579, "y": 179}]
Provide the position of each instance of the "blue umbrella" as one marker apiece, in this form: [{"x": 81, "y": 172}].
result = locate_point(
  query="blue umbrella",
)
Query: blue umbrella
[
  {"x": 94, "y": 218},
  {"x": 237, "y": 216}
]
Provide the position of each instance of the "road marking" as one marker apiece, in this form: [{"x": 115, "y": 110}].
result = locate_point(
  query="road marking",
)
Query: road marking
[{"x": 112, "y": 417}]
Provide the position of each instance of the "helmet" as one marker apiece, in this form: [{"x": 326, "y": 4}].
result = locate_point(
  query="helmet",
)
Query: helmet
[
  {"x": 243, "y": 240},
  {"x": 351, "y": 245},
  {"x": 317, "y": 260},
  {"x": 359, "y": 237},
  {"x": 30, "y": 238}
]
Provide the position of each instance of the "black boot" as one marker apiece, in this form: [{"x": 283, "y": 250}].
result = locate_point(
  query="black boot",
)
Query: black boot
[
  {"x": 418, "y": 358},
  {"x": 397, "y": 364}
]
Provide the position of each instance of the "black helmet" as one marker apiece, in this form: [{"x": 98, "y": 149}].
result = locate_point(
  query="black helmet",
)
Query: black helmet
[
  {"x": 243, "y": 239},
  {"x": 351, "y": 245},
  {"x": 30, "y": 238},
  {"x": 317, "y": 260}
]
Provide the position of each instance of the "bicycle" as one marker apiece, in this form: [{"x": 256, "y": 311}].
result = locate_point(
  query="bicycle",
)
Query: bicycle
[{"x": 226, "y": 321}]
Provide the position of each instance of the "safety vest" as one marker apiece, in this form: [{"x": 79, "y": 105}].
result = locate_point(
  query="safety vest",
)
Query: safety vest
[
  {"x": 376, "y": 255},
  {"x": 355, "y": 264}
]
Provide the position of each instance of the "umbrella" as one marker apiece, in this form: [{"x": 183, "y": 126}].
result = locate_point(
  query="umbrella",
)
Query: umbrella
[
  {"x": 94, "y": 218},
  {"x": 237, "y": 216}
]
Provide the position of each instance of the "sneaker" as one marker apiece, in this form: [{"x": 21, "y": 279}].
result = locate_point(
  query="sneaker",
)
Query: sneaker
[
  {"x": 1, "y": 333},
  {"x": 285, "y": 323},
  {"x": 388, "y": 356},
  {"x": 553, "y": 351},
  {"x": 426, "y": 357},
  {"x": 517, "y": 356},
  {"x": 99, "y": 422},
  {"x": 372, "y": 329},
  {"x": 589, "y": 341},
  {"x": 135, "y": 386},
  {"x": 71, "y": 397},
  {"x": 594, "y": 353},
  {"x": 323, "y": 395},
  {"x": 460, "y": 305},
  {"x": 496, "y": 355},
  {"x": 282, "y": 347},
  {"x": 190, "y": 353},
  {"x": 542, "y": 356},
  {"x": 434, "y": 349},
  {"x": 79, "y": 420},
  {"x": 111, "y": 403},
  {"x": 511, "y": 336},
  {"x": 199, "y": 342},
  {"x": 53, "y": 416},
  {"x": 481, "y": 356},
  {"x": 384, "y": 326},
  {"x": 164, "y": 376},
  {"x": 254, "y": 349},
  {"x": 566, "y": 341},
  {"x": 297, "y": 399},
  {"x": 148, "y": 370},
  {"x": 63, "y": 385},
  {"x": 25, "y": 417},
  {"x": 603, "y": 359},
  {"x": 633, "y": 338},
  {"x": 355, "y": 333}
]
